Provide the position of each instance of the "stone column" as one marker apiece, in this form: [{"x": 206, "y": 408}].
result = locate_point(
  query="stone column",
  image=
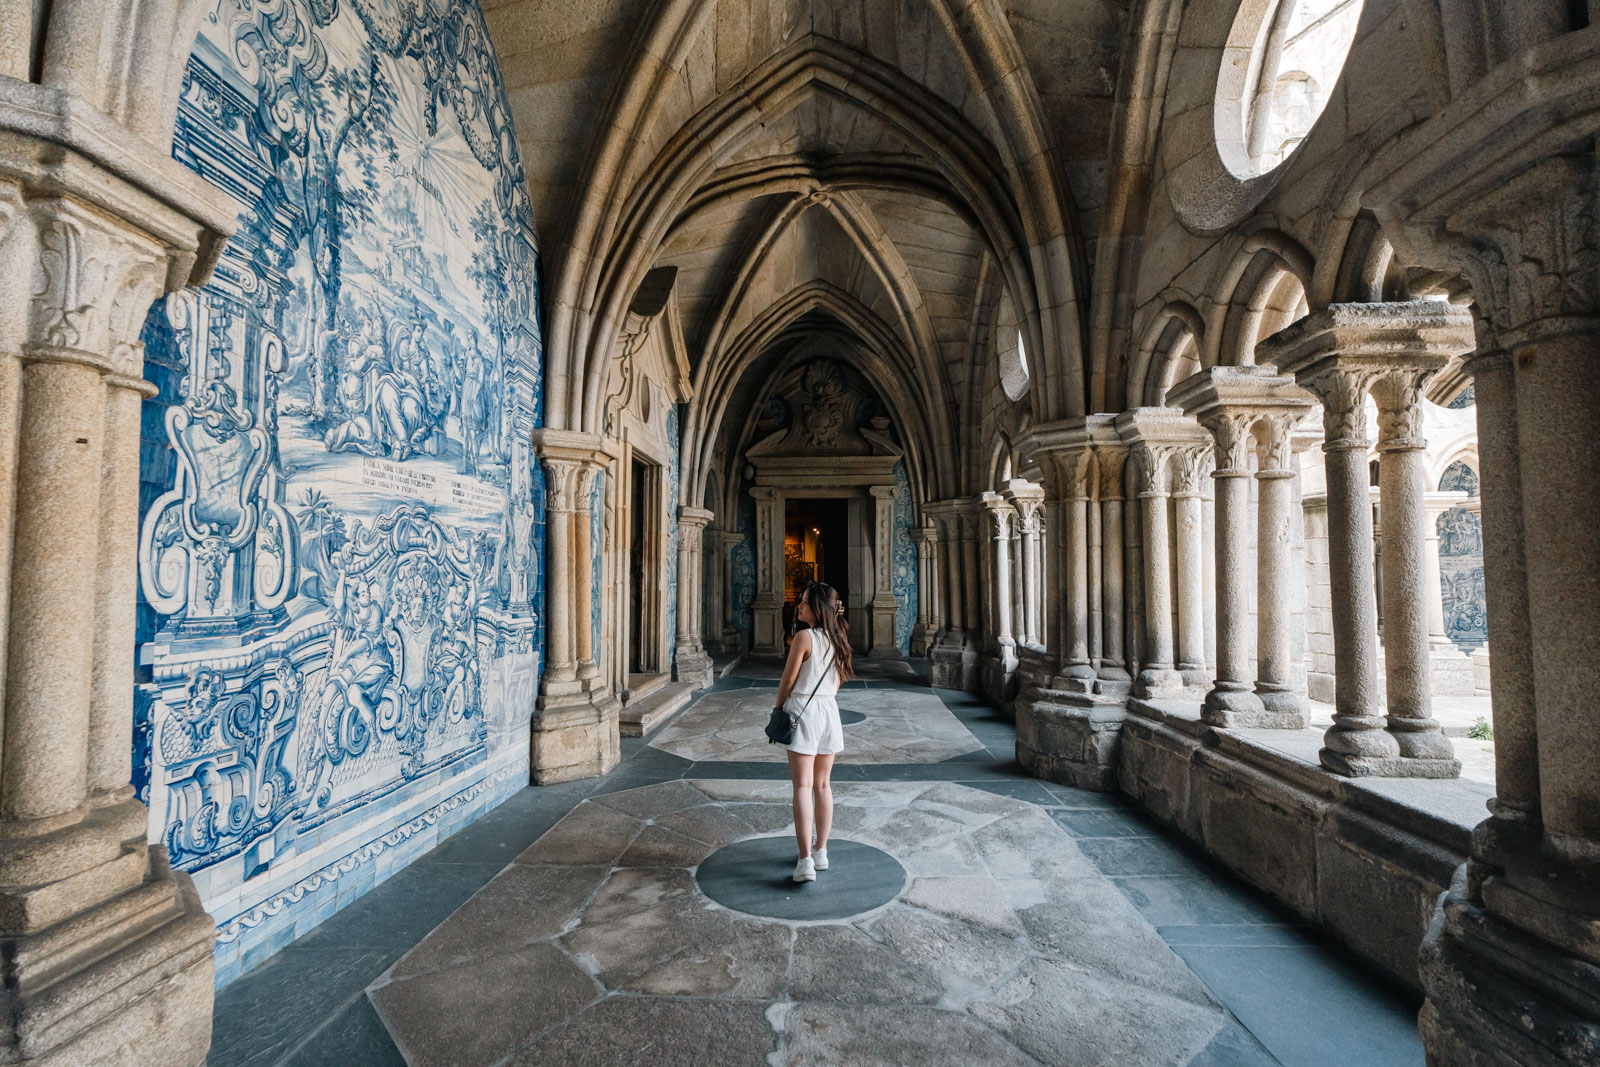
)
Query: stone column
[
  {"x": 884, "y": 605},
  {"x": 1190, "y": 469},
  {"x": 560, "y": 479},
  {"x": 108, "y": 951},
  {"x": 1402, "y": 483},
  {"x": 1157, "y": 678},
  {"x": 1033, "y": 578},
  {"x": 690, "y": 661},
  {"x": 1250, "y": 410},
  {"x": 1231, "y": 701},
  {"x": 767, "y": 607},
  {"x": 1000, "y": 517},
  {"x": 1276, "y": 572},
  {"x": 1019, "y": 610},
  {"x": 1113, "y": 658},
  {"x": 575, "y": 732},
  {"x": 1340, "y": 354}
]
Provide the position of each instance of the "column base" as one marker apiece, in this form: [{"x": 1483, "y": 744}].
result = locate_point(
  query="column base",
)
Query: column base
[
  {"x": 574, "y": 736},
  {"x": 1352, "y": 766},
  {"x": 920, "y": 639},
  {"x": 1232, "y": 704},
  {"x": 691, "y": 663},
  {"x": 1157, "y": 682},
  {"x": 125, "y": 979},
  {"x": 1288, "y": 709},
  {"x": 953, "y": 666},
  {"x": 1421, "y": 739},
  {"x": 1069, "y": 739},
  {"x": 1499, "y": 997}
]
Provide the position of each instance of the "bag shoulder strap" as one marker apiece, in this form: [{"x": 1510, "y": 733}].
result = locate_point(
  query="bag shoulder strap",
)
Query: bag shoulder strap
[{"x": 821, "y": 675}]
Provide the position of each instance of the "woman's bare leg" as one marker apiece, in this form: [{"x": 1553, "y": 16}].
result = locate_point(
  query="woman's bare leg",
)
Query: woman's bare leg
[
  {"x": 822, "y": 797},
  {"x": 800, "y": 777}
]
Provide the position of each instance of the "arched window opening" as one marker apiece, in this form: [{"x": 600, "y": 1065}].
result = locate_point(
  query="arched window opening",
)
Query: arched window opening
[{"x": 1270, "y": 98}]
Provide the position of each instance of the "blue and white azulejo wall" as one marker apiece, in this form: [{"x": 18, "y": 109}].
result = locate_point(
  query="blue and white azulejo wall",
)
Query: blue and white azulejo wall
[{"x": 342, "y": 524}]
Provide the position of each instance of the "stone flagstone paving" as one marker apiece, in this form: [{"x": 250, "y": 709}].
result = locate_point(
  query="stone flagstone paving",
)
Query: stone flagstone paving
[
  {"x": 902, "y": 725},
  {"x": 1008, "y": 946},
  {"x": 1030, "y": 923}
]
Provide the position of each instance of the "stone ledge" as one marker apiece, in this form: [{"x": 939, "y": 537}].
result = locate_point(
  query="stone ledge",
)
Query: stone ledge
[
  {"x": 641, "y": 716},
  {"x": 1365, "y": 858}
]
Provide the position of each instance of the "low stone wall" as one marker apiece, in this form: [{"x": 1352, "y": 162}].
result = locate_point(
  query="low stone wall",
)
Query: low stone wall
[{"x": 1364, "y": 858}]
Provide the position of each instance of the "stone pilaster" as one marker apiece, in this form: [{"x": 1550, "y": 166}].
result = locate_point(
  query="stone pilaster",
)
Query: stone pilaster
[
  {"x": 1342, "y": 354},
  {"x": 1191, "y": 470},
  {"x": 1027, "y": 500},
  {"x": 922, "y": 634},
  {"x": 691, "y": 663},
  {"x": 953, "y": 659},
  {"x": 732, "y": 635},
  {"x": 884, "y": 605},
  {"x": 575, "y": 726},
  {"x": 767, "y": 607},
  {"x": 108, "y": 950}
]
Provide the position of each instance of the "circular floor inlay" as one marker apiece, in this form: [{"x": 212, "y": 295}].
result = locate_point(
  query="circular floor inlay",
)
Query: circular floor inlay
[
  {"x": 850, "y": 718},
  {"x": 757, "y": 877}
]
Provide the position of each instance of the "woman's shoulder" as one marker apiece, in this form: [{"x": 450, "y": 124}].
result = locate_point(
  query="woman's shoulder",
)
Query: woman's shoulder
[{"x": 802, "y": 640}]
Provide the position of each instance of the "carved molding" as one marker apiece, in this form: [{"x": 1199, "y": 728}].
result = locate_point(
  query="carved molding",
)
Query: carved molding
[{"x": 95, "y": 279}]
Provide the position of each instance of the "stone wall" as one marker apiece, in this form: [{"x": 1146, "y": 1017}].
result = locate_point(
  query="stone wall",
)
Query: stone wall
[{"x": 342, "y": 528}]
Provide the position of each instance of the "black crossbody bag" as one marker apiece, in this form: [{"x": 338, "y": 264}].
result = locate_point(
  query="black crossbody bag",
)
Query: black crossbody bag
[{"x": 780, "y": 724}]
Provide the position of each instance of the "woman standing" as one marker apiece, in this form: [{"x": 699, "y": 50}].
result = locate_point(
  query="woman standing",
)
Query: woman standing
[{"x": 819, "y": 659}]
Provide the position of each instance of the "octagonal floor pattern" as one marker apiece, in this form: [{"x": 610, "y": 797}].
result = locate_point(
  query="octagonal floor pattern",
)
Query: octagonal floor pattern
[{"x": 1019, "y": 922}]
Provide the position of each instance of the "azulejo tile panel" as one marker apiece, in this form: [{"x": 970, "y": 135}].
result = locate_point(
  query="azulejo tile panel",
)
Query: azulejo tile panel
[{"x": 342, "y": 524}]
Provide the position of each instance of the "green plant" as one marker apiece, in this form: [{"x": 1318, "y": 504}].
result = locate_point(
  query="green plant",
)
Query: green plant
[{"x": 1481, "y": 730}]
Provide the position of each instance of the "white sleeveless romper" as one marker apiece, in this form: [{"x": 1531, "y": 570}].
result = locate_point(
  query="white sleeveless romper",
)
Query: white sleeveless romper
[{"x": 818, "y": 732}]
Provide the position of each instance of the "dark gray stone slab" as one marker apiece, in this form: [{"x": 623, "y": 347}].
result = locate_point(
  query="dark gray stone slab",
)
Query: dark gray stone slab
[
  {"x": 1335, "y": 1015},
  {"x": 1139, "y": 855},
  {"x": 1195, "y": 901},
  {"x": 850, "y": 718},
  {"x": 756, "y": 877},
  {"x": 355, "y": 1037},
  {"x": 258, "y": 1019},
  {"x": 479, "y": 1012},
  {"x": 1103, "y": 823}
]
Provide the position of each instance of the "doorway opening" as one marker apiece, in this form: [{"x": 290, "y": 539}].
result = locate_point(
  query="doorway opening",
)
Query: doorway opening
[
  {"x": 816, "y": 548},
  {"x": 646, "y": 650}
]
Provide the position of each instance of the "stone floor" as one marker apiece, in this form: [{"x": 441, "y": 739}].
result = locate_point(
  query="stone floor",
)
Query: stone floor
[
  {"x": 973, "y": 916},
  {"x": 897, "y": 724}
]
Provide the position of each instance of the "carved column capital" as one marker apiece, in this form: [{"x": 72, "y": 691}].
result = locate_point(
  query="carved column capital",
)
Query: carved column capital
[
  {"x": 1152, "y": 469},
  {"x": 1191, "y": 467},
  {"x": 1109, "y": 463},
  {"x": 95, "y": 279},
  {"x": 1399, "y": 397},
  {"x": 1232, "y": 430}
]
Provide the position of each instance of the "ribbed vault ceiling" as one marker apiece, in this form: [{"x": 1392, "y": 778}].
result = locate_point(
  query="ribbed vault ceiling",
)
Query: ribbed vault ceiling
[{"x": 850, "y": 177}]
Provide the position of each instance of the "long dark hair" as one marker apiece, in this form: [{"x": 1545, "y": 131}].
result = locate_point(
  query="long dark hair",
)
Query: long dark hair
[{"x": 823, "y": 600}]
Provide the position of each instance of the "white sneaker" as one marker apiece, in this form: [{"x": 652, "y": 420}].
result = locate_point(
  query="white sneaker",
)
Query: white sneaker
[
  {"x": 805, "y": 870},
  {"x": 821, "y": 856}
]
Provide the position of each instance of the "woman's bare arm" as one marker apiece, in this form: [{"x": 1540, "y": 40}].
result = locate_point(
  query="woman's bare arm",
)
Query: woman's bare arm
[{"x": 798, "y": 651}]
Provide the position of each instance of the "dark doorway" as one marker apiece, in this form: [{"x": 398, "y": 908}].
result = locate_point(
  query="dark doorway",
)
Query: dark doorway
[{"x": 816, "y": 546}]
